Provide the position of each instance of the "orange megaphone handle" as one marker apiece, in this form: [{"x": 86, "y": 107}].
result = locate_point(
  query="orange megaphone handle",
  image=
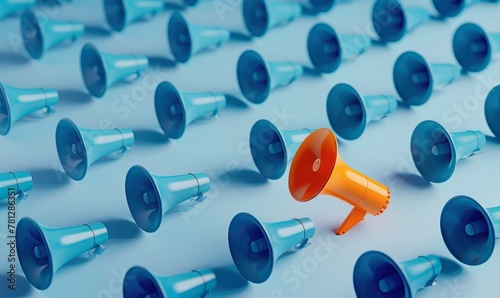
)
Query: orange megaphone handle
[{"x": 351, "y": 220}]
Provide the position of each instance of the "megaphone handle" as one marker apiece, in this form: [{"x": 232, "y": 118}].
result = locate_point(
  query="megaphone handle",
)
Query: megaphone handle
[
  {"x": 98, "y": 248},
  {"x": 351, "y": 220}
]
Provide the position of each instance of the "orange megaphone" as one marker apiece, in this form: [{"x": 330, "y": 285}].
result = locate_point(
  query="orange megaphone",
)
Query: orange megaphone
[{"x": 318, "y": 169}]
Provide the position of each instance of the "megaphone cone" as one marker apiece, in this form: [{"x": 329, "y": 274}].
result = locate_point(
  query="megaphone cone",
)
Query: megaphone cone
[
  {"x": 492, "y": 110},
  {"x": 120, "y": 13},
  {"x": 256, "y": 246},
  {"x": 316, "y": 6},
  {"x": 10, "y": 7},
  {"x": 318, "y": 169},
  {"x": 263, "y": 15},
  {"x": 14, "y": 184},
  {"x": 378, "y": 275},
  {"x": 436, "y": 152},
  {"x": 469, "y": 230},
  {"x": 42, "y": 250},
  {"x": 474, "y": 47}
]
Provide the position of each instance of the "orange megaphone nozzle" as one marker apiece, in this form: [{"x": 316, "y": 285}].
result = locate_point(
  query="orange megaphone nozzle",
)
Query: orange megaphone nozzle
[{"x": 318, "y": 169}]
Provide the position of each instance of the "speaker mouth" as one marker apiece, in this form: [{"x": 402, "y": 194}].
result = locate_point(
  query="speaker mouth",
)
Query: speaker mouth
[
  {"x": 433, "y": 151},
  {"x": 321, "y": 5},
  {"x": 93, "y": 70},
  {"x": 253, "y": 77},
  {"x": 143, "y": 199},
  {"x": 256, "y": 17},
  {"x": 71, "y": 149},
  {"x": 191, "y": 2},
  {"x": 5, "y": 119},
  {"x": 32, "y": 33},
  {"x": 116, "y": 12},
  {"x": 312, "y": 165},
  {"x": 412, "y": 78},
  {"x": 30, "y": 237},
  {"x": 170, "y": 110},
  {"x": 268, "y": 149},
  {"x": 472, "y": 47},
  {"x": 492, "y": 110},
  {"x": 449, "y": 8},
  {"x": 179, "y": 38},
  {"x": 389, "y": 20},
  {"x": 346, "y": 112},
  {"x": 458, "y": 213},
  {"x": 139, "y": 282},
  {"x": 324, "y": 48},
  {"x": 244, "y": 231}
]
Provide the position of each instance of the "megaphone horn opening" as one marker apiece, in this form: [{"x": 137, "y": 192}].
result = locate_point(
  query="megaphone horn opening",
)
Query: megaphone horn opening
[
  {"x": 5, "y": 117},
  {"x": 139, "y": 282},
  {"x": 93, "y": 70},
  {"x": 268, "y": 149},
  {"x": 322, "y": 5},
  {"x": 71, "y": 149},
  {"x": 179, "y": 37},
  {"x": 389, "y": 20},
  {"x": 115, "y": 11},
  {"x": 491, "y": 109},
  {"x": 256, "y": 17},
  {"x": 170, "y": 110},
  {"x": 412, "y": 78},
  {"x": 32, "y": 34},
  {"x": 346, "y": 112},
  {"x": 324, "y": 48},
  {"x": 472, "y": 47},
  {"x": 253, "y": 77},
  {"x": 449, "y": 8}
]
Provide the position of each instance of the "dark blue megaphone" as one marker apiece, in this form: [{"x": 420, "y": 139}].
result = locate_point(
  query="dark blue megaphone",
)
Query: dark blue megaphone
[
  {"x": 120, "y": 13},
  {"x": 272, "y": 149},
  {"x": 78, "y": 147},
  {"x": 14, "y": 186},
  {"x": 187, "y": 39},
  {"x": 15, "y": 103},
  {"x": 256, "y": 246},
  {"x": 436, "y": 152},
  {"x": 257, "y": 78},
  {"x": 392, "y": 20},
  {"x": 349, "y": 113},
  {"x": 43, "y": 250},
  {"x": 140, "y": 283},
  {"x": 474, "y": 47},
  {"x": 452, "y": 8},
  {"x": 184, "y": 3},
  {"x": 101, "y": 70},
  {"x": 469, "y": 230},
  {"x": 176, "y": 109},
  {"x": 378, "y": 275},
  {"x": 492, "y": 110},
  {"x": 316, "y": 6},
  {"x": 262, "y": 15},
  {"x": 39, "y": 35},
  {"x": 415, "y": 79},
  {"x": 9, "y": 7},
  {"x": 150, "y": 196}
]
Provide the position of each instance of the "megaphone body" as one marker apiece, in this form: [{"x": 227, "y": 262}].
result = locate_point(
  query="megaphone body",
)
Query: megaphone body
[
  {"x": 78, "y": 147},
  {"x": 139, "y": 283},
  {"x": 150, "y": 196},
  {"x": 415, "y": 79},
  {"x": 14, "y": 186},
  {"x": 474, "y": 47},
  {"x": 15, "y": 103},
  {"x": 9, "y": 7},
  {"x": 318, "y": 169},
  {"x": 183, "y": 3},
  {"x": 101, "y": 70},
  {"x": 43, "y": 250},
  {"x": 349, "y": 113},
  {"x": 316, "y": 6},
  {"x": 176, "y": 109},
  {"x": 492, "y": 110},
  {"x": 435, "y": 151},
  {"x": 120, "y": 13},
  {"x": 452, "y": 8},
  {"x": 256, "y": 246},
  {"x": 378, "y": 275},
  {"x": 39, "y": 35},
  {"x": 469, "y": 230}
]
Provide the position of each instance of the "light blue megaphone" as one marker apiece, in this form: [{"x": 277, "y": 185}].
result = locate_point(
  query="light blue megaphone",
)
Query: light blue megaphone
[
  {"x": 14, "y": 186},
  {"x": 256, "y": 246},
  {"x": 150, "y": 196},
  {"x": 392, "y": 20},
  {"x": 184, "y": 3},
  {"x": 9, "y": 7},
  {"x": 257, "y": 77},
  {"x": 469, "y": 230},
  {"x": 176, "y": 109},
  {"x": 78, "y": 147},
  {"x": 186, "y": 39},
  {"x": 415, "y": 79},
  {"x": 139, "y": 283},
  {"x": 272, "y": 149},
  {"x": 452, "y": 8},
  {"x": 349, "y": 113},
  {"x": 316, "y": 6},
  {"x": 43, "y": 250},
  {"x": 101, "y": 70},
  {"x": 39, "y": 35},
  {"x": 120, "y": 13},
  {"x": 474, "y": 47},
  {"x": 436, "y": 152},
  {"x": 15, "y": 103},
  {"x": 262, "y": 15},
  {"x": 492, "y": 110},
  {"x": 378, "y": 275}
]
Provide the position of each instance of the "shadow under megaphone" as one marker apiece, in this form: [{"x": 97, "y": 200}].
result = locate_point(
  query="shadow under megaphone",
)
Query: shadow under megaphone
[
  {"x": 493, "y": 140},
  {"x": 9, "y": 58},
  {"x": 73, "y": 97},
  {"x": 121, "y": 229},
  {"x": 149, "y": 137},
  {"x": 229, "y": 281},
  {"x": 246, "y": 176},
  {"x": 411, "y": 179},
  {"x": 49, "y": 178},
  {"x": 450, "y": 267},
  {"x": 22, "y": 287},
  {"x": 235, "y": 102}
]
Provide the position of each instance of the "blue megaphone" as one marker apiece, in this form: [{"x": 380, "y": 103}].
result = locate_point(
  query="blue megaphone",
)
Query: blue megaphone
[
  {"x": 139, "y": 283},
  {"x": 258, "y": 77},
  {"x": 436, "y": 152},
  {"x": 187, "y": 39},
  {"x": 150, "y": 196},
  {"x": 316, "y": 6},
  {"x": 349, "y": 113},
  {"x": 378, "y": 275},
  {"x": 469, "y": 230},
  {"x": 256, "y": 246},
  {"x": 392, "y": 20},
  {"x": 272, "y": 149},
  {"x": 101, "y": 70},
  {"x": 120, "y": 13},
  {"x": 262, "y": 15},
  {"x": 78, "y": 147},
  {"x": 415, "y": 79},
  {"x": 14, "y": 186},
  {"x": 39, "y": 35},
  {"x": 15, "y": 103},
  {"x": 9, "y": 7},
  {"x": 43, "y": 250},
  {"x": 184, "y": 3},
  {"x": 452, "y": 8},
  {"x": 176, "y": 109},
  {"x": 492, "y": 110},
  {"x": 474, "y": 47}
]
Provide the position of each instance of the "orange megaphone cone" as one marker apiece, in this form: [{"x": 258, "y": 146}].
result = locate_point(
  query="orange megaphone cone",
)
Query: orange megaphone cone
[{"x": 318, "y": 169}]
